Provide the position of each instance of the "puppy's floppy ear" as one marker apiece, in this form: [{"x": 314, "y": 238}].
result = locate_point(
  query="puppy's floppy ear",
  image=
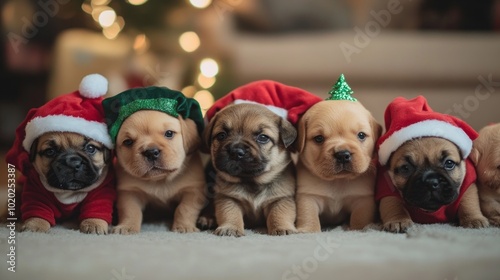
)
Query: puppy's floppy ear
[
  {"x": 475, "y": 155},
  {"x": 376, "y": 128},
  {"x": 301, "y": 135},
  {"x": 288, "y": 133},
  {"x": 33, "y": 150},
  {"x": 190, "y": 137},
  {"x": 106, "y": 154},
  {"x": 207, "y": 135}
]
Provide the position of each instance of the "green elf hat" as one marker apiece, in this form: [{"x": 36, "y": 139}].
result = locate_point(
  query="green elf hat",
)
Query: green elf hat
[
  {"x": 171, "y": 102},
  {"x": 341, "y": 90}
]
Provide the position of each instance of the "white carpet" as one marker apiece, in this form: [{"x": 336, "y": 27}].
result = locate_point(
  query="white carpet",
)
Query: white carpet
[{"x": 426, "y": 252}]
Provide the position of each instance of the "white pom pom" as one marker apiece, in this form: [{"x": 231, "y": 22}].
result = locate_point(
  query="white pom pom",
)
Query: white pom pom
[{"x": 93, "y": 86}]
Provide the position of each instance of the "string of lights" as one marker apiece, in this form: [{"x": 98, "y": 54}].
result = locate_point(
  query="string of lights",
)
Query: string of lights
[{"x": 112, "y": 24}]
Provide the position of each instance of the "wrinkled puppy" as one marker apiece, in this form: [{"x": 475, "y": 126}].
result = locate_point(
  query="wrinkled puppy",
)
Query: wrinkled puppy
[
  {"x": 335, "y": 171},
  {"x": 63, "y": 151},
  {"x": 486, "y": 157},
  {"x": 255, "y": 182},
  {"x": 72, "y": 167},
  {"x": 425, "y": 175},
  {"x": 158, "y": 164}
]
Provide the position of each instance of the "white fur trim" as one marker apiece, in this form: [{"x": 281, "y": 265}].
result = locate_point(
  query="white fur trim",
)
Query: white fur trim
[
  {"x": 277, "y": 110},
  {"x": 70, "y": 197},
  {"x": 428, "y": 128},
  {"x": 93, "y": 86},
  {"x": 40, "y": 125}
]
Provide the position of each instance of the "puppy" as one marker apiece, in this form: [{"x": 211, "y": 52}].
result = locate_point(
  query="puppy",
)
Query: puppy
[
  {"x": 428, "y": 173},
  {"x": 486, "y": 157},
  {"x": 255, "y": 182},
  {"x": 335, "y": 170},
  {"x": 158, "y": 164},
  {"x": 73, "y": 171}
]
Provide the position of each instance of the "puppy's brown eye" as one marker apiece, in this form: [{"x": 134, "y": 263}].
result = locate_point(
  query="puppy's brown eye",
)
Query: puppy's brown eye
[
  {"x": 319, "y": 139},
  {"x": 169, "y": 134},
  {"x": 49, "y": 152},
  {"x": 128, "y": 142},
  {"x": 362, "y": 136},
  {"x": 221, "y": 136},
  {"x": 449, "y": 165},
  {"x": 404, "y": 170},
  {"x": 90, "y": 149},
  {"x": 263, "y": 139}
]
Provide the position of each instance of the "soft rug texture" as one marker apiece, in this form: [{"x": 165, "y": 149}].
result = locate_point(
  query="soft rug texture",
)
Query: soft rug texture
[{"x": 426, "y": 252}]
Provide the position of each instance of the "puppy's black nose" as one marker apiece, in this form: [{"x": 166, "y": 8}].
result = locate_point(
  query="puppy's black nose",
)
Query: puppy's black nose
[
  {"x": 237, "y": 151},
  {"x": 74, "y": 161},
  {"x": 343, "y": 156},
  {"x": 431, "y": 180},
  {"x": 151, "y": 154}
]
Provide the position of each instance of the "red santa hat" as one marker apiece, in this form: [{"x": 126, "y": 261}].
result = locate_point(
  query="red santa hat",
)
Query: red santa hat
[
  {"x": 286, "y": 101},
  {"x": 409, "y": 119},
  {"x": 80, "y": 112}
]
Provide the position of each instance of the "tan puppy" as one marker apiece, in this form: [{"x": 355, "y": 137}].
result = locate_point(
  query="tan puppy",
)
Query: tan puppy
[
  {"x": 428, "y": 173},
  {"x": 71, "y": 169},
  {"x": 335, "y": 171},
  {"x": 158, "y": 164},
  {"x": 486, "y": 157},
  {"x": 255, "y": 184}
]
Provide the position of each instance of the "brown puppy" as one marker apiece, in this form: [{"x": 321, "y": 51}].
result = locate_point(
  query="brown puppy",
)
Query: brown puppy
[
  {"x": 72, "y": 168},
  {"x": 255, "y": 184},
  {"x": 158, "y": 164},
  {"x": 335, "y": 171},
  {"x": 486, "y": 157},
  {"x": 428, "y": 173}
]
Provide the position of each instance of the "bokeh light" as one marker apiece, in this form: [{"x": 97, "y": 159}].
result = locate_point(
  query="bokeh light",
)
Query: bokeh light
[
  {"x": 189, "y": 91},
  {"x": 107, "y": 18},
  {"x": 209, "y": 67},
  {"x": 200, "y": 4},
  {"x": 137, "y": 2},
  {"x": 189, "y": 41},
  {"x": 141, "y": 43},
  {"x": 205, "y": 82},
  {"x": 205, "y": 98}
]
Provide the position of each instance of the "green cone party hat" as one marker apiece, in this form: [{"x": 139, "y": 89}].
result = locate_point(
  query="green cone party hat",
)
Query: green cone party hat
[{"x": 341, "y": 90}]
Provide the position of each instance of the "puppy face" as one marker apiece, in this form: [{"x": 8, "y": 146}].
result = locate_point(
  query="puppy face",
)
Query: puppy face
[
  {"x": 428, "y": 172},
  {"x": 68, "y": 161},
  {"x": 486, "y": 156},
  {"x": 248, "y": 140},
  {"x": 337, "y": 139},
  {"x": 153, "y": 145}
]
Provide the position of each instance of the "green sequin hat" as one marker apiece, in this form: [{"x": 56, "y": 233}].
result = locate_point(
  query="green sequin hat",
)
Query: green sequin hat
[
  {"x": 341, "y": 90},
  {"x": 172, "y": 102}
]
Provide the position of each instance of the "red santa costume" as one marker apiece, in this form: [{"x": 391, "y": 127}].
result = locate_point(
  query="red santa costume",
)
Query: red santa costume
[
  {"x": 286, "y": 101},
  {"x": 79, "y": 112},
  {"x": 411, "y": 119}
]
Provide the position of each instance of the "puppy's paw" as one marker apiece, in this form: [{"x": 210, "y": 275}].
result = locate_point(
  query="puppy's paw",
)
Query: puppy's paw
[
  {"x": 206, "y": 222},
  {"x": 184, "y": 228},
  {"x": 126, "y": 229},
  {"x": 229, "y": 231},
  {"x": 282, "y": 231},
  {"x": 308, "y": 229},
  {"x": 398, "y": 226},
  {"x": 35, "y": 225},
  {"x": 94, "y": 226},
  {"x": 494, "y": 221},
  {"x": 474, "y": 222}
]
